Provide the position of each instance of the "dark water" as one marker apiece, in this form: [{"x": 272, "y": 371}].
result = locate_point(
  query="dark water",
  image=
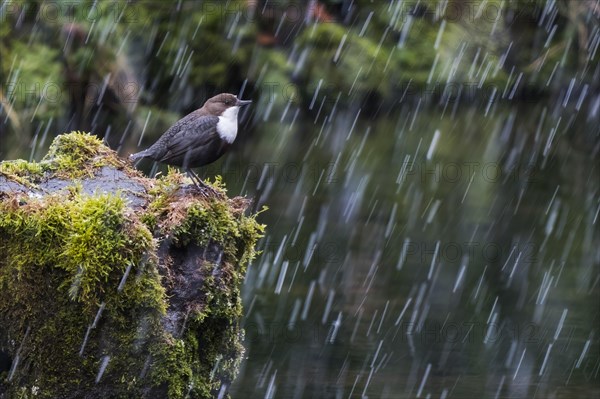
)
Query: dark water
[{"x": 394, "y": 267}]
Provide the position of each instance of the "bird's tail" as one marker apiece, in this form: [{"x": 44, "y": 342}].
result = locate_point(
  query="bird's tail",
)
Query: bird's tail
[{"x": 138, "y": 155}]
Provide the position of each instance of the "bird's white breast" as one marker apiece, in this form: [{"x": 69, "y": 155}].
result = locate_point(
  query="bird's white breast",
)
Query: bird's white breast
[{"x": 227, "y": 125}]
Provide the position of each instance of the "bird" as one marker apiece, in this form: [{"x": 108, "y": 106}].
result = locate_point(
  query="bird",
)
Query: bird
[{"x": 199, "y": 138}]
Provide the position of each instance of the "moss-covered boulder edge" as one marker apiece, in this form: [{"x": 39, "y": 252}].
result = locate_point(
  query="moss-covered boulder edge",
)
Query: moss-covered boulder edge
[{"x": 105, "y": 297}]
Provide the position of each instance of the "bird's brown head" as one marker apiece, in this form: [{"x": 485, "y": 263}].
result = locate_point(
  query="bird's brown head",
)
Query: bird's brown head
[{"x": 221, "y": 102}]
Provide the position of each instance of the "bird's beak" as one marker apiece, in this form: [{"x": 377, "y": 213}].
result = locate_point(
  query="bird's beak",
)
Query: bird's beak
[{"x": 241, "y": 103}]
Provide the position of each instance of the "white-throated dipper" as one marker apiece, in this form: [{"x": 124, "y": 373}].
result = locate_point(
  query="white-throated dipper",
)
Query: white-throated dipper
[{"x": 198, "y": 138}]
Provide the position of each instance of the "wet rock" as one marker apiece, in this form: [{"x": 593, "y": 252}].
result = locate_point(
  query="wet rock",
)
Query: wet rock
[{"x": 113, "y": 285}]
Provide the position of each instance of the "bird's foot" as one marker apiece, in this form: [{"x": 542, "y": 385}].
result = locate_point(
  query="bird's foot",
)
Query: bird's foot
[
  {"x": 205, "y": 190},
  {"x": 203, "y": 187}
]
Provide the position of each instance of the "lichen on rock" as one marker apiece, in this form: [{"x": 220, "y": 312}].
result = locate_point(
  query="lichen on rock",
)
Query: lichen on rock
[{"x": 114, "y": 285}]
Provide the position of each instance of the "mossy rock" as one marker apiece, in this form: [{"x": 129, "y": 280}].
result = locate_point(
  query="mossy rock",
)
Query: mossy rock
[{"x": 113, "y": 285}]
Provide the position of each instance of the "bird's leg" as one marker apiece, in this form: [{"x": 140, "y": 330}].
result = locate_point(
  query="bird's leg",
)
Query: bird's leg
[
  {"x": 196, "y": 180},
  {"x": 200, "y": 184}
]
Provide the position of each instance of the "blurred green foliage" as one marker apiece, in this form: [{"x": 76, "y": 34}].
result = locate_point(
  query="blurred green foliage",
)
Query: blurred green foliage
[{"x": 96, "y": 65}]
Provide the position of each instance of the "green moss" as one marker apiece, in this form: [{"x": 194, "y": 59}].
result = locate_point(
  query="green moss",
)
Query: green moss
[
  {"x": 176, "y": 371},
  {"x": 71, "y": 156},
  {"x": 203, "y": 221},
  {"x": 212, "y": 335},
  {"x": 216, "y": 330},
  {"x": 78, "y": 154},
  {"x": 188, "y": 219},
  {"x": 80, "y": 285},
  {"x": 22, "y": 172},
  {"x": 160, "y": 194},
  {"x": 21, "y": 168},
  {"x": 61, "y": 261}
]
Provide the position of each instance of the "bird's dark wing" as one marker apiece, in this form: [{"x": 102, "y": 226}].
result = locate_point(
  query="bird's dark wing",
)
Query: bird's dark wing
[{"x": 193, "y": 133}]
